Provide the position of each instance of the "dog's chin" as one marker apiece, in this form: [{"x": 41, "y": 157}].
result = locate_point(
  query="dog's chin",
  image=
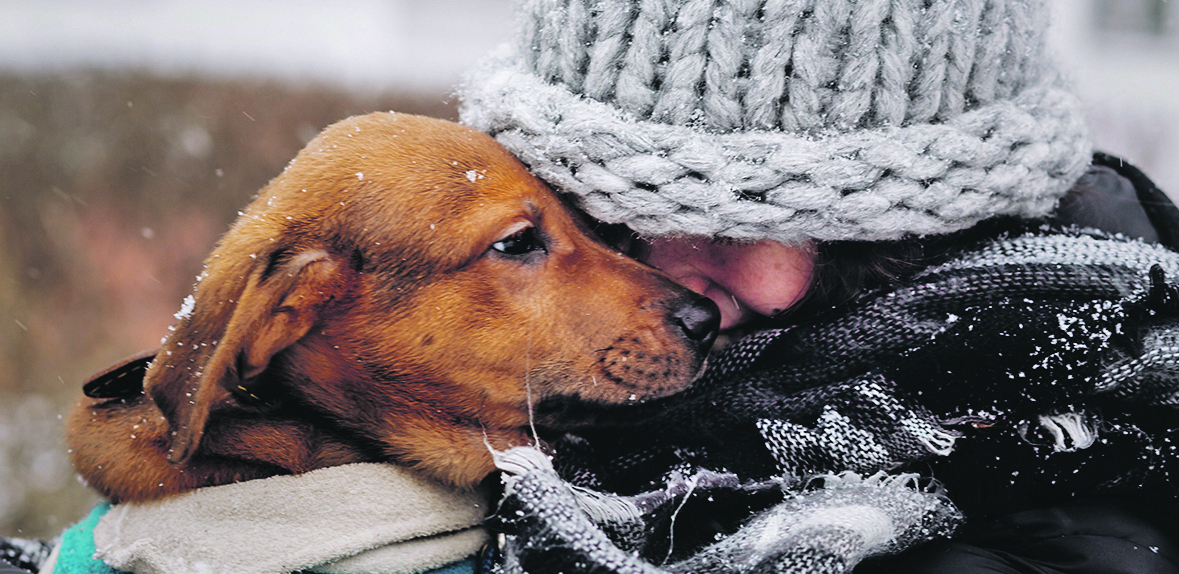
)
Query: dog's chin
[
  {"x": 572, "y": 412},
  {"x": 568, "y": 413}
]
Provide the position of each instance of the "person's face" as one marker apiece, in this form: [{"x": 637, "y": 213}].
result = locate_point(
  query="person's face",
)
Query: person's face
[{"x": 744, "y": 279}]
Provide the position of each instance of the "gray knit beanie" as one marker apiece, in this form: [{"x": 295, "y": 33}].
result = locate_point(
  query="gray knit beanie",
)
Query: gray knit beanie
[{"x": 786, "y": 119}]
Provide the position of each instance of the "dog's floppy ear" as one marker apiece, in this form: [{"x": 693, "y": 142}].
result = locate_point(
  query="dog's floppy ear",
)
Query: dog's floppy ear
[{"x": 241, "y": 317}]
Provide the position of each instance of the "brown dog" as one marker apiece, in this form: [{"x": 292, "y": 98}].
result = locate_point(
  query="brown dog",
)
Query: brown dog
[{"x": 404, "y": 291}]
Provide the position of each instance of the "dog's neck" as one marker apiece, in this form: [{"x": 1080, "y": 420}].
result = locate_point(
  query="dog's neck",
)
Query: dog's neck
[
  {"x": 124, "y": 454},
  {"x": 428, "y": 425}
]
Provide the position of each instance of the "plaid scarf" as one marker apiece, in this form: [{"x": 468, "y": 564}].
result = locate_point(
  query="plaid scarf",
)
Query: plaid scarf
[{"x": 1036, "y": 366}]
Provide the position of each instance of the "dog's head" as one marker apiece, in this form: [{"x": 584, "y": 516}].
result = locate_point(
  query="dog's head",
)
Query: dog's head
[{"x": 407, "y": 279}]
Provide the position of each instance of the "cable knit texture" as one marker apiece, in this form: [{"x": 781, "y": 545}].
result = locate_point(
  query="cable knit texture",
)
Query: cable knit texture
[{"x": 786, "y": 119}]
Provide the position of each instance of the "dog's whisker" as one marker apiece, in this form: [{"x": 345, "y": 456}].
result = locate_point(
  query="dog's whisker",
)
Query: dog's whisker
[
  {"x": 691, "y": 482},
  {"x": 487, "y": 441},
  {"x": 528, "y": 390}
]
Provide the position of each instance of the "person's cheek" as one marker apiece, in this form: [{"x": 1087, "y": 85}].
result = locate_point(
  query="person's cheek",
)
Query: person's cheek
[
  {"x": 768, "y": 277},
  {"x": 743, "y": 279},
  {"x": 691, "y": 263},
  {"x": 733, "y": 312}
]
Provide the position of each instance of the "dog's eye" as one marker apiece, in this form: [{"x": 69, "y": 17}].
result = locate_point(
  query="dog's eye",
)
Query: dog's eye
[{"x": 521, "y": 242}]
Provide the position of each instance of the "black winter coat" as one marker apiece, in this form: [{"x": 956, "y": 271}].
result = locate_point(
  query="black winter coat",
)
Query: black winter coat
[{"x": 1094, "y": 536}]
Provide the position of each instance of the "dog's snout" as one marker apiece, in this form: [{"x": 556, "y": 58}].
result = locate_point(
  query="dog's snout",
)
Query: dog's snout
[{"x": 699, "y": 319}]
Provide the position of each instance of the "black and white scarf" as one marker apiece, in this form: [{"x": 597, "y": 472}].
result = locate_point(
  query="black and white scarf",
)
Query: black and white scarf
[{"x": 1033, "y": 367}]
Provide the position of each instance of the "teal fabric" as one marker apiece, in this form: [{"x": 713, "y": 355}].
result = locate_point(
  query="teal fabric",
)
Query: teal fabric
[
  {"x": 465, "y": 566},
  {"x": 76, "y": 554}
]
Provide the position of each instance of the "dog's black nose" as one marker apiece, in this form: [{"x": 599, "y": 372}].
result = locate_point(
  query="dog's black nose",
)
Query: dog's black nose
[{"x": 700, "y": 320}]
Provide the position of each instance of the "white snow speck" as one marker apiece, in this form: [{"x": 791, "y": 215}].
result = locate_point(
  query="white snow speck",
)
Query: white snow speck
[
  {"x": 185, "y": 308},
  {"x": 472, "y": 175},
  {"x": 360, "y": 175}
]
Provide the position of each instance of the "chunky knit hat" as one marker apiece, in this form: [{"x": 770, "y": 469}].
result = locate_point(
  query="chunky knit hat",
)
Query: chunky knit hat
[{"x": 786, "y": 119}]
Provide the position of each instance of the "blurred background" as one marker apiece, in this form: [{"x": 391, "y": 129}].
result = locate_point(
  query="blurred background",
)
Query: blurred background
[{"x": 131, "y": 132}]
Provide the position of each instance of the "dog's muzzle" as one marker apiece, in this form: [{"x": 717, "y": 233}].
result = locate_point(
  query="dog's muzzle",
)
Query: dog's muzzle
[{"x": 698, "y": 318}]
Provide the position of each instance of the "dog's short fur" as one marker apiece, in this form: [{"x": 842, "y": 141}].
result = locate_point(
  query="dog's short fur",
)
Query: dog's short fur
[{"x": 404, "y": 291}]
